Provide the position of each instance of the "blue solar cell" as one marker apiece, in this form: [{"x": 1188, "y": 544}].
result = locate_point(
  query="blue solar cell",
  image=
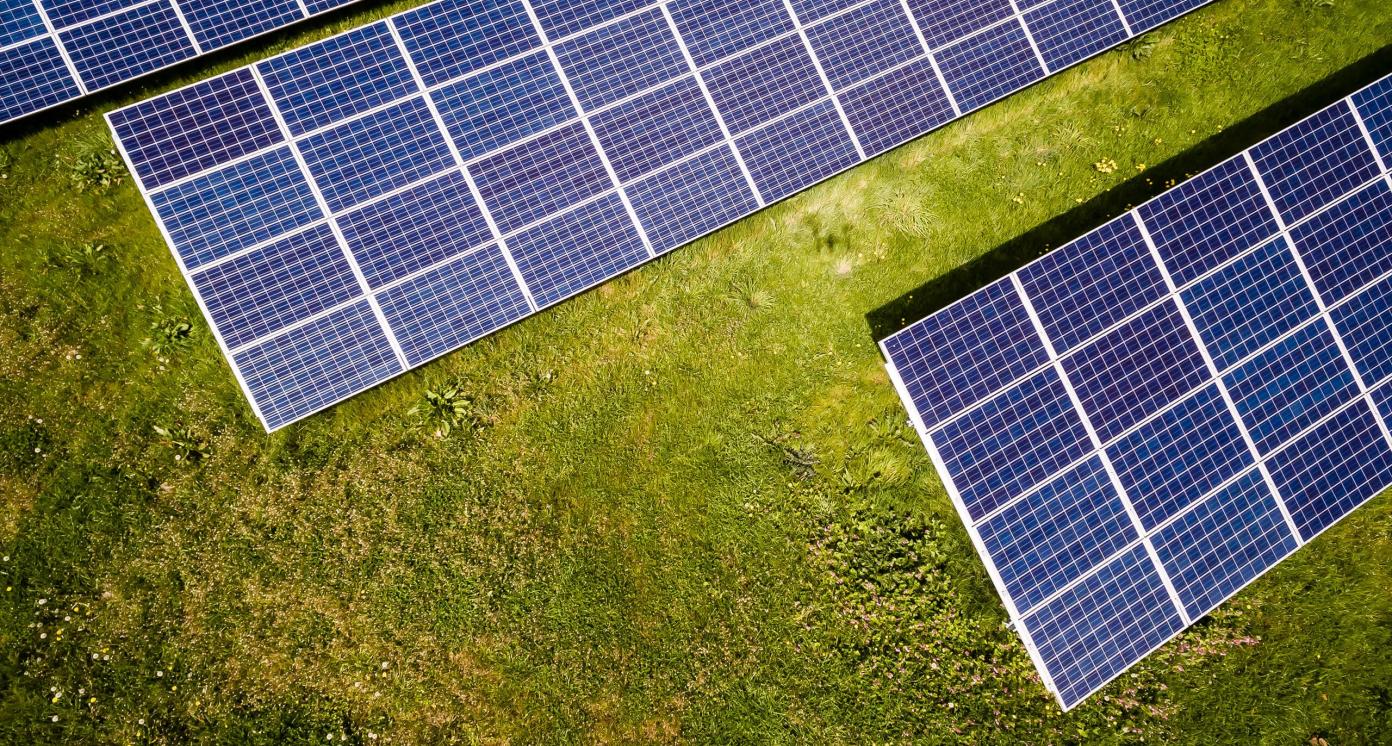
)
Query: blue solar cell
[
  {"x": 414, "y": 229},
  {"x": 1291, "y": 386},
  {"x": 334, "y": 79},
  {"x": 503, "y": 105},
  {"x": 195, "y": 128},
  {"x": 19, "y": 20},
  {"x": 714, "y": 29},
  {"x": 540, "y": 177},
  {"x": 1057, "y": 534},
  {"x": 794, "y": 153},
  {"x": 456, "y": 37},
  {"x": 574, "y": 251},
  {"x": 896, "y": 107},
  {"x": 453, "y": 304},
  {"x": 691, "y": 199},
  {"x": 1144, "y": 15},
  {"x": 33, "y": 76},
  {"x": 1333, "y": 469},
  {"x": 1223, "y": 543},
  {"x": 261, "y": 292},
  {"x": 864, "y": 42},
  {"x": 989, "y": 66},
  {"x": 315, "y": 365},
  {"x": 1349, "y": 245},
  {"x": 561, "y": 18},
  {"x": 1135, "y": 370},
  {"x": 810, "y": 10},
  {"x": 1208, "y": 220},
  {"x": 1374, "y": 105},
  {"x": 375, "y": 154},
  {"x": 1309, "y": 165},
  {"x": 1176, "y": 458},
  {"x": 1248, "y": 304},
  {"x": 1012, "y": 442},
  {"x": 225, "y": 211},
  {"x": 217, "y": 23},
  {"x": 763, "y": 84},
  {"x": 953, "y": 359},
  {"x": 64, "y": 13},
  {"x": 655, "y": 129},
  {"x": 1092, "y": 283},
  {"x": 945, "y": 21},
  {"x": 621, "y": 59},
  {"x": 1365, "y": 326},
  {"x": 1068, "y": 31},
  {"x": 1094, "y": 630},
  {"x": 127, "y": 45}
]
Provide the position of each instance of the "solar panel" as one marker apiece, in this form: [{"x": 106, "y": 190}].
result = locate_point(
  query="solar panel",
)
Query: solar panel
[
  {"x": 53, "y": 51},
  {"x": 1138, "y": 424},
  {"x": 572, "y": 141}
]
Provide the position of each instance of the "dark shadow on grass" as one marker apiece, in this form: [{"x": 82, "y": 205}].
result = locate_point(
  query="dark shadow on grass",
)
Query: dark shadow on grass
[{"x": 942, "y": 290}]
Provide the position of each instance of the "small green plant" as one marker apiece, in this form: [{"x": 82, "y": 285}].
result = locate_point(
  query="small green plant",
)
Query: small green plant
[
  {"x": 447, "y": 410},
  {"x": 96, "y": 167},
  {"x": 168, "y": 334},
  {"x": 187, "y": 447}
]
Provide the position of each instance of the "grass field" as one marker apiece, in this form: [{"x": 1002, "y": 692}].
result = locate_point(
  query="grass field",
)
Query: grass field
[{"x": 683, "y": 507}]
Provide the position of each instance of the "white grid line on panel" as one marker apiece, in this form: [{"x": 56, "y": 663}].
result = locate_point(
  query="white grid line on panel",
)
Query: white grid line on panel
[
  {"x": 1029, "y": 36},
  {"x": 459, "y": 162},
  {"x": 188, "y": 30},
  {"x": 333, "y": 224},
  {"x": 1125, "y": 24},
  {"x": 826, "y": 82},
  {"x": 62, "y": 52},
  {"x": 1217, "y": 378},
  {"x": 932, "y": 59},
  {"x": 710, "y": 103},
  {"x": 1101, "y": 453}
]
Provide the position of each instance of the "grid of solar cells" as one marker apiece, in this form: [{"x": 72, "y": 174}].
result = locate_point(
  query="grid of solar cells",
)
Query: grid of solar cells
[
  {"x": 1138, "y": 424},
  {"x": 54, "y": 51},
  {"x": 577, "y": 139}
]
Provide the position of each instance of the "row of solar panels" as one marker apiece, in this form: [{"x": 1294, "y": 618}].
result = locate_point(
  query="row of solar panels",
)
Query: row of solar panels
[
  {"x": 1136, "y": 425},
  {"x": 52, "y": 51},
  {"x": 354, "y": 208}
]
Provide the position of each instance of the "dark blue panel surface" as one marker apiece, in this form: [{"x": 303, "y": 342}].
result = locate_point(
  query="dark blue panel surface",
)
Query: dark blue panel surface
[
  {"x": 954, "y": 358},
  {"x": 569, "y": 253},
  {"x": 1068, "y": 31},
  {"x": 989, "y": 66},
  {"x": 1012, "y": 442},
  {"x": 864, "y": 42},
  {"x": 503, "y": 105},
  {"x": 33, "y": 76},
  {"x": 896, "y": 107},
  {"x": 1249, "y": 303},
  {"x": 561, "y": 18},
  {"x": 127, "y": 45},
  {"x": 714, "y": 29},
  {"x": 1333, "y": 469},
  {"x": 792, "y": 154},
  {"x": 655, "y": 129},
  {"x": 1223, "y": 543},
  {"x": 1349, "y": 245},
  {"x": 1144, "y": 15},
  {"x": 539, "y": 177},
  {"x": 375, "y": 154},
  {"x": 322, "y": 83},
  {"x": 225, "y": 211},
  {"x": 691, "y": 199},
  {"x": 1291, "y": 386},
  {"x": 945, "y": 21},
  {"x": 1365, "y": 326},
  {"x": 1097, "y": 628},
  {"x": 1180, "y": 456},
  {"x": 1208, "y": 220},
  {"x": 453, "y": 304},
  {"x": 217, "y": 23},
  {"x": 315, "y": 365},
  {"x": 456, "y": 37},
  {"x": 19, "y": 20},
  {"x": 764, "y": 83},
  {"x": 1136, "y": 370},
  {"x": 1309, "y": 165},
  {"x": 259, "y": 293},
  {"x": 621, "y": 59},
  {"x": 414, "y": 229},
  {"x": 1092, "y": 283},
  {"x": 1374, "y": 105},
  {"x": 1057, "y": 534}
]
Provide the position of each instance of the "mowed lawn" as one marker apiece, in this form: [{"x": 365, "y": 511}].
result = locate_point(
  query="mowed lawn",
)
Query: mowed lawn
[{"x": 682, "y": 507}]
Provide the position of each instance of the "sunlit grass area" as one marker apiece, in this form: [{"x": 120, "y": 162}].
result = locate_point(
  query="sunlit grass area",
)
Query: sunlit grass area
[{"x": 682, "y": 507}]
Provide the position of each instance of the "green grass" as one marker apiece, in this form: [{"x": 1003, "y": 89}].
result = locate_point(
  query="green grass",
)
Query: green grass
[{"x": 682, "y": 507}]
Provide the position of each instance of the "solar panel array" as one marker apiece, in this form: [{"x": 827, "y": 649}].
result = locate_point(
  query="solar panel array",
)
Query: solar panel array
[
  {"x": 351, "y": 209},
  {"x": 52, "y": 51},
  {"x": 1138, "y": 424}
]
